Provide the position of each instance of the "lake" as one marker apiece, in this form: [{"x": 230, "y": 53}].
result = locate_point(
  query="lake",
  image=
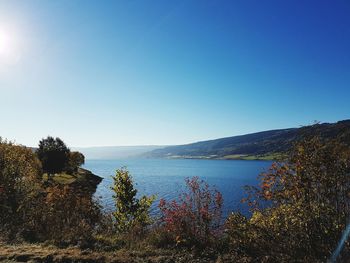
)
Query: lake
[{"x": 166, "y": 178}]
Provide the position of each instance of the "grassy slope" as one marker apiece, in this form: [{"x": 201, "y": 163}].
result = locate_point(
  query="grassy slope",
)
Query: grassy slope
[
  {"x": 82, "y": 176},
  {"x": 263, "y": 157}
]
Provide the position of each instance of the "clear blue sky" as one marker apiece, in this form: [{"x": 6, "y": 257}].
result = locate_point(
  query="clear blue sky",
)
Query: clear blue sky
[{"x": 170, "y": 72}]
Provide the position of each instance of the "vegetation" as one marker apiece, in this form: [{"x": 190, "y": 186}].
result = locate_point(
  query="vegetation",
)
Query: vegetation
[
  {"x": 75, "y": 160},
  {"x": 33, "y": 210},
  {"x": 265, "y": 145},
  {"x": 262, "y": 157},
  {"x": 53, "y": 154},
  {"x": 130, "y": 212},
  {"x": 56, "y": 157},
  {"x": 298, "y": 212},
  {"x": 19, "y": 176},
  {"x": 196, "y": 218},
  {"x": 308, "y": 206}
]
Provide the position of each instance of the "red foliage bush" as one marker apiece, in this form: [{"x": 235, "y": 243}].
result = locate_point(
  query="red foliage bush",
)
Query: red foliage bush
[{"x": 196, "y": 217}]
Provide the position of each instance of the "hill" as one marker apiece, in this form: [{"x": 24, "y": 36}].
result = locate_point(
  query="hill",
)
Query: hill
[
  {"x": 264, "y": 145},
  {"x": 114, "y": 152}
]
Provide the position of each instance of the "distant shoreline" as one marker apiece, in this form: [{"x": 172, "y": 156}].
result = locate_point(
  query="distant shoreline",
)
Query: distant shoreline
[{"x": 272, "y": 157}]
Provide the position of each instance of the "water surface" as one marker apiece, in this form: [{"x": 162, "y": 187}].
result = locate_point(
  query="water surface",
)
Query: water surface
[{"x": 165, "y": 177}]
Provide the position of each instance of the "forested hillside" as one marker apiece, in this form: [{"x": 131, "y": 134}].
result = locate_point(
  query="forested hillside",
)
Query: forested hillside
[{"x": 262, "y": 145}]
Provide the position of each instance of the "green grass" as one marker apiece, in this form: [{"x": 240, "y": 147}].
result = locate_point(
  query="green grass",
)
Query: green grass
[
  {"x": 61, "y": 178},
  {"x": 235, "y": 157},
  {"x": 265, "y": 157},
  {"x": 81, "y": 176}
]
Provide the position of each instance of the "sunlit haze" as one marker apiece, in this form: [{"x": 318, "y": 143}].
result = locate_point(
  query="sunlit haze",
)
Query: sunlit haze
[{"x": 9, "y": 50}]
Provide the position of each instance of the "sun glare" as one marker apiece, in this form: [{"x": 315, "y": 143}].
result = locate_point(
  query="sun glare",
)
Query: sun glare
[{"x": 9, "y": 51}]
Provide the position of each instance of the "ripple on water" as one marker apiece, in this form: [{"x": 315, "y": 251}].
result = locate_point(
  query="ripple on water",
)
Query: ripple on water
[{"x": 165, "y": 178}]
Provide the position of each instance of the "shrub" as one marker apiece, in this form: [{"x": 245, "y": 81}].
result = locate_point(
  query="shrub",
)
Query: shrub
[
  {"x": 308, "y": 205},
  {"x": 196, "y": 217},
  {"x": 131, "y": 213},
  {"x": 28, "y": 210},
  {"x": 287, "y": 233},
  {"x": 68, "y": 216},
  {"x": 20, "y": 173},
  {"x": 160, "y": 237}
]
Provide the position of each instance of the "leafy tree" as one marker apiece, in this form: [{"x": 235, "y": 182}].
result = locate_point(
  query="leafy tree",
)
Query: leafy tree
[
  {"x": 76, "y": 159},
  {"x": 130, "y": 211},
  {"x": 53, "y": 154}
]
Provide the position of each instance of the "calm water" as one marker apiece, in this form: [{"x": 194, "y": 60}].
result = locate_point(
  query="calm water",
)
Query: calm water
[{"x": 165, "y": 178}]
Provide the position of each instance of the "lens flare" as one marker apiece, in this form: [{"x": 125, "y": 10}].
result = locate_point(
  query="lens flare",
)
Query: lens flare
[{"x": 341, "y": 244}]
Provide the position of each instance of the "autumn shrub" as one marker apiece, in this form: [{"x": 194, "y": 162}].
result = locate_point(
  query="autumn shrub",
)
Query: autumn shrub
[
  {"x": 20, "y": 173},
  {"x": 68, "y": 216},
  {"x": 195, "y": 218},
  {"x": 308, "y": 206},
  {"x": 33, "y": 211},
  {"x": 284, "y": 233}
]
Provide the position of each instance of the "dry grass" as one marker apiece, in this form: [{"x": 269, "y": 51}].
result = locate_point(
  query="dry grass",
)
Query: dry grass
[
  {"x": 38, "y": 253},
  {"x": 42, "y": 253}
]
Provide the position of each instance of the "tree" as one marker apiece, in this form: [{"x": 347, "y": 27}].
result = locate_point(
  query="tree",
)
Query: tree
[
  {"x": 76, "y": 159},
  {"x": 53, "y": 154},
  {"x": 130, "y": 211}
]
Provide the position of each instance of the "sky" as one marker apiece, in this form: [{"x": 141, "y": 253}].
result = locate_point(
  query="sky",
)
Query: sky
[{"x": 98, "y": 73}]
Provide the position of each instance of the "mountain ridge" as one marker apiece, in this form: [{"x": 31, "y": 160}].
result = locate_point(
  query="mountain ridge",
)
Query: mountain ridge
[
  {"x": 114, "y": 152},
  {"x": 263, "y": 145}
]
